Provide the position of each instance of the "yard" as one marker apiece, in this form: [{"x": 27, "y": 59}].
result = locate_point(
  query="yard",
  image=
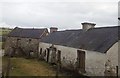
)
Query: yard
[{"x": 31, "y": 67}]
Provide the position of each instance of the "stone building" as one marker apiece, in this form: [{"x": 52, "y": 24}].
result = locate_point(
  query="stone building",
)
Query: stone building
[
  {"x": 24, "y": 41},
  {"x": 86, "y": 50}
]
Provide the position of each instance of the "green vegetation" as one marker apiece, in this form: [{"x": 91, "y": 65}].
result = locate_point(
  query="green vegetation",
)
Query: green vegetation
[
  {"x": 29, "y": 67},
  {"x": 4, "y": 31},
  {"x": 1, "y": 44}
]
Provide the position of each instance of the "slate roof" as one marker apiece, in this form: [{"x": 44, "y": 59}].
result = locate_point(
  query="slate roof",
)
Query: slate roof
[
  {"x": 96, "y": 39},
  {"x": 27, "y": 32}
]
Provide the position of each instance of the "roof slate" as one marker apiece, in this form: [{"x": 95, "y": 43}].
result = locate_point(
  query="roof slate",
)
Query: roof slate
[
  {"x": 96, "y": 39},
  {"x": 27, "y": 33}
]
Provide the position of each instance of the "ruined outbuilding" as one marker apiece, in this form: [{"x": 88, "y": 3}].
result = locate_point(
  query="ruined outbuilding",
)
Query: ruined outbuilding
[{"x": 24, "y": 41}]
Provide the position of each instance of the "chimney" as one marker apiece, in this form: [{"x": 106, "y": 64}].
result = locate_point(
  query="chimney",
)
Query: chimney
[
  {"x": 53, "y": 29},
  {"x": 86, "y": 26}
]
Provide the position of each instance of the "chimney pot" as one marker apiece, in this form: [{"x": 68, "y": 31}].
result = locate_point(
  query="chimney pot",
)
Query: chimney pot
[
  {"x": 53, "y": 29},
  {"x": 86, "y": 26}
]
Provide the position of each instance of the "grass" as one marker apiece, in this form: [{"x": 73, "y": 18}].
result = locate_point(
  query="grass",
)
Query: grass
[
  {"x": 4, "y": 31},
  {"x": 32, "y": 67},
  {"x": 1, "y": 44},
  {"x": 29, "y": 67}
]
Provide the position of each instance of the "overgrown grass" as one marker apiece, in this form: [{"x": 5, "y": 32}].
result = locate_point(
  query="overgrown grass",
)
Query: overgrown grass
[
  {"x": 1, "y": 45},
  {"x": 4, "y": 31},
  {"x": 29, "y": 67}
]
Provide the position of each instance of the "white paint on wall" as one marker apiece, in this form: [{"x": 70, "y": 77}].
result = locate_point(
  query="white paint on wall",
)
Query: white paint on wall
[
  {"x": 119, "y": 57},
  {"x": 68, "y": 56},
  {"x": 94, "y": 61},
  {"x": 112, "y": 55}
]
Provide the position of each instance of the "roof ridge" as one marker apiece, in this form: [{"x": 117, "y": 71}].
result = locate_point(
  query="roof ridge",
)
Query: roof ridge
[
  {"x": 29, "y": 28},
  {"x": 106, "y": 27}
]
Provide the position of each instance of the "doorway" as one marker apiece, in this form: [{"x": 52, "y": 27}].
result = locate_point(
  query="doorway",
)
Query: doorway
[
  {"x": 81, "y": 61},
  {"x": 59, "y": 57},
  {"x": 48, "y": 53}
]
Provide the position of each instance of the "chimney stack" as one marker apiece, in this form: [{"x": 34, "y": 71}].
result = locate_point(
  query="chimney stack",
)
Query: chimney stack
[
  {"x": 53, "y": 29},
  {"x": 86, "y": 26}
]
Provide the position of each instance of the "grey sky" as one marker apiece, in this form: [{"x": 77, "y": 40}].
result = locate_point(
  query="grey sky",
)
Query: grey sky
[{"x": 67, "y": 14}]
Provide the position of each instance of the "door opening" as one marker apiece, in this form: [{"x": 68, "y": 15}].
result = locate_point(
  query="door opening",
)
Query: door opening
[{"x": 81, "y": 61}]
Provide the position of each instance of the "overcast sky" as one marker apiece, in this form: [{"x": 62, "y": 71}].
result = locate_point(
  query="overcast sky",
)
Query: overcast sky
[{"x": 64, "y": 14}]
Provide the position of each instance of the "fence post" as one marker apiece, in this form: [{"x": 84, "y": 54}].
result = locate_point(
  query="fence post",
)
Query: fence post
[
  {"x": 117, "y": 71},
  {"x": 58, "y": 62},
  {"x": 9, "y": 64}
]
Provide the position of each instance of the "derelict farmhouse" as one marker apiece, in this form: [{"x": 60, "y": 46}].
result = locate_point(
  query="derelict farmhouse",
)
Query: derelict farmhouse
[{"x": 92, "y": 51}]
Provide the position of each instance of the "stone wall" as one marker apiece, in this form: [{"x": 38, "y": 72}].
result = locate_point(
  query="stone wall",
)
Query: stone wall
[{"x": 25, "y": 44}]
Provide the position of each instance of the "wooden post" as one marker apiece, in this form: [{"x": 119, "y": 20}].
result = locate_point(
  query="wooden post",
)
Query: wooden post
[
  {"x": 58, "y": 62},
  {"x": 48, "y": 53},
  {"x": 8, "y": 68},
  {"x": 57, "y": 71},
  {"x": 117, "y": 71},
  {"x": 9, "y": 64}
]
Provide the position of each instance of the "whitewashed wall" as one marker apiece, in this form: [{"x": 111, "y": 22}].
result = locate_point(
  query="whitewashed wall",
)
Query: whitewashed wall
[
  {"x": 112, "y": 55},
  {"x": 119, "y": 56},
  {"x": 94, "y": 61},
  {"x": 44, "y": 46},
  {"x": 70, "y": 54},
  {"x": 98, "y": 60}
]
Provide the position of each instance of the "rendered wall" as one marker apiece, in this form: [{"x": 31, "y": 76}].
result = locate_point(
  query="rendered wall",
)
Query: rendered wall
[{"x": 94, "y": 61}]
